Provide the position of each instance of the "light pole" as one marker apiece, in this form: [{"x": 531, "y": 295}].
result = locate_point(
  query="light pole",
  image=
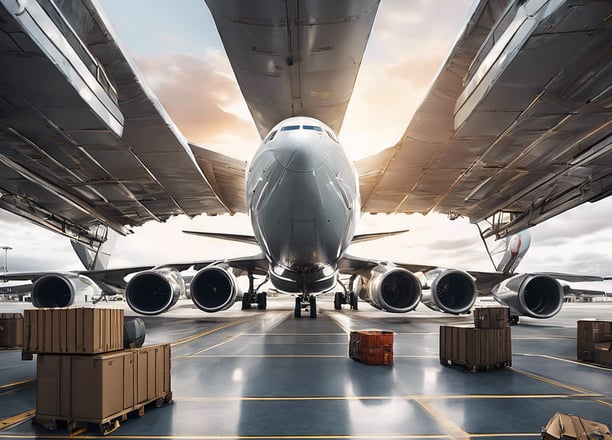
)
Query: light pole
[{"x": 6, "y": 249}]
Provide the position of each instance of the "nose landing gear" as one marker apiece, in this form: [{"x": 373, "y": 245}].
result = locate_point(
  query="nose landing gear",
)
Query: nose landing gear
[{"x": 304, "y": 301}]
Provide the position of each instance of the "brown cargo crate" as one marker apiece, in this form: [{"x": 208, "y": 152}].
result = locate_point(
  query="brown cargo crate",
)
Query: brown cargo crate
[
  {"x": 79, "y": 330},
  {"x": 11, "y": 330},
  {"x": 152, "y": 366},
  {"x": 569, "y": 427},
  {"x": 492, "y": 317},
  {"x": 372, "y": 347},
  {"x": 589, "y": 332},
  {"x": 97, "y": 388},
  {"x": 475, "y": 348}
]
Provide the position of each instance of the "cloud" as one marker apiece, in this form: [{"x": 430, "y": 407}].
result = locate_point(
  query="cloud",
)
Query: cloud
[{"x": 203, "y": 98}]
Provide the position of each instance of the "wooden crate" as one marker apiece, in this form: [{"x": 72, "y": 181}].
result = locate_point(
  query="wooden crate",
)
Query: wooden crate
[
  {"x": 492, "y": 317},
  {"x": 475, "y": 348}
]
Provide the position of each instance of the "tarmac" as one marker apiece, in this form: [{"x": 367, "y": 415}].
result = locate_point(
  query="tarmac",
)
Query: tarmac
[{"x": 264, "y": 374}]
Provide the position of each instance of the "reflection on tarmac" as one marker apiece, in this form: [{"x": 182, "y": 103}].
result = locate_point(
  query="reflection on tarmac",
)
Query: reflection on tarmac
[{"x": 253, "y": 374}]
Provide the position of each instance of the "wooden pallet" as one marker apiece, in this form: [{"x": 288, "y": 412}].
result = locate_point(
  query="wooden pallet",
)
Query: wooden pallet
[{"x": 105, "y": 425}]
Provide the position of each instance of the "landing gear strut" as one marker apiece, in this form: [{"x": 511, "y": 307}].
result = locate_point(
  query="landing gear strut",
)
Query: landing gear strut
[{"x": 253, "y": 296}]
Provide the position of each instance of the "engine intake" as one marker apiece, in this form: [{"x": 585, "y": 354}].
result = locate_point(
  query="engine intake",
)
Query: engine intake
[
  {"x": 55, "y": 290},
  {"x": 392, "y": 289},
  {"x": 533, "y": 295},
  {"x": 154, "y": 291},
  {"x": 214, "y": 288},
  {"x": 451, "y": 291}
]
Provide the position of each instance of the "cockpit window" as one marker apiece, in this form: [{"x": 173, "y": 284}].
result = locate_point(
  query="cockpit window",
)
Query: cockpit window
[
  {"x": 312, "y": 127},
  {"x": 271, "y": 136},
  {"x": 290, "y": 127}
]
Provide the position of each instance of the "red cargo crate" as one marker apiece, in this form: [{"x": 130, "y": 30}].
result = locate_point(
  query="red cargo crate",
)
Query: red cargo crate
[{"x": 372, "y": 347}]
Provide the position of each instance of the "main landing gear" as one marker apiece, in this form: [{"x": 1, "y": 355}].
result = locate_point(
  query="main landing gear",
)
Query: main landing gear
[
  {"x": 301, "y": 302},
  {"x": 349, "y": 296},
  {"x": 253, "y": 296}
]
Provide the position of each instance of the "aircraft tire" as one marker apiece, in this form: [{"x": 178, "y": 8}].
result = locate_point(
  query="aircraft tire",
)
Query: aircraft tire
[
  {"x": 338, "y": 301},
  {"x": 313, "y": 307},
  {"x": 262, "y": 301},
  {"x": 297, "y": 311},
  {"x": 354, "y": 301},
  {"x": 246, "y": 301}
]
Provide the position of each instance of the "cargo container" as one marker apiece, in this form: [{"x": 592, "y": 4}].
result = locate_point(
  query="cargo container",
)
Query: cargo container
[
  {"x": 78, "y": 330},
  {"x": 372, "y": 347},
  {"x": 101, "y": 389},
  {"x": 569, "y": 427},
  {"x": 11, "y": 330},
  {"x": 602, "y": 354},
  {"x": 475, "y": 348},
  {"x": 492, "y": 317}
]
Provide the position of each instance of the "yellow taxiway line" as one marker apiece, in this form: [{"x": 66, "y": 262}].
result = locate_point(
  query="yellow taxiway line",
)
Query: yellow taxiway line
[{"x": 16, "y": 419}]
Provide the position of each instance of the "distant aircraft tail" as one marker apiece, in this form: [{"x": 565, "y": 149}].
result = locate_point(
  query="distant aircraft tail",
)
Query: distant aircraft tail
[
  {"x": 509, "y": 252},
  {"x": 96, "y": 257}
]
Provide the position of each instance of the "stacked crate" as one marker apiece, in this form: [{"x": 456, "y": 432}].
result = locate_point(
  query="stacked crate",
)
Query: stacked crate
[
  {"x": 569, "y": 427},
  {"x": 372, "y": 347},
  {"x": 594, "y": 341},
  {"x": 486, "y": 345},
  {"x": 11, "y": 330},
  {"x": 84, "y": 374}
]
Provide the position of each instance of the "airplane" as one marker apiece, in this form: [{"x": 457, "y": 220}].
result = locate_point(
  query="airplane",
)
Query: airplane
[{"x": 510, "y": 134}]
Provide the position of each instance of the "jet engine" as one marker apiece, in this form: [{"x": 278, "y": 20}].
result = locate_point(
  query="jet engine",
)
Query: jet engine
[
  {"x": 537, "y": 296},
  {"x": 214, "y": 288},
  {"x": 155, "y": 291},
  {"x": 59, "y": 290},
  {"x": 392, "y": 289},
  {"x": 451, "y": 291}
]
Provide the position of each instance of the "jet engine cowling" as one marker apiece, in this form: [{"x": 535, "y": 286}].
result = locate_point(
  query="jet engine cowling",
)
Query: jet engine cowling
[
  {"x": 155, "y": 291},
  {"x": 533, "y": 295},
  {"x": 59, "y": 290},
  {"x": 450, "y": 291},
  {"x": 214, "y": 288},
  {"x": 389, "y": 288}
]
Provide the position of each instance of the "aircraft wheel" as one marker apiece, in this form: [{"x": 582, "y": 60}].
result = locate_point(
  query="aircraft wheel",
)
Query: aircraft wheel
[
  {"x": 514, "y": 319},
  {"x": 246, "y": 301},
  {"x": 313, "y": 307},
  {"x": 354, "y": 301},
  {"x": 262, "y": 301},
  {"x": 338, "y": 301},
  {"x": 297, "y": 311}
]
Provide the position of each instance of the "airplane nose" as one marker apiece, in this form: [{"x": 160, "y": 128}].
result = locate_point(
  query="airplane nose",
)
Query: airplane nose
[{"x": 300, "y": 157}]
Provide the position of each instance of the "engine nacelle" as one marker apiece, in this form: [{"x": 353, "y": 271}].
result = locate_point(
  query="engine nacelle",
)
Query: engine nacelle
[
  {"x": 533, "y": 295},
  {"x": 214, "y": 288},
  {"x": 155, "y": 291},
  {"x": 59, "y": 290},
  {"x": 450, "y": 291},
  {"x": 392, "y": 289}
]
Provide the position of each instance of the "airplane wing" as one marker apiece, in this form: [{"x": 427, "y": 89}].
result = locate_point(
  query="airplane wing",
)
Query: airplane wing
[
  {"x": 295, "y": 58},
  {"x": 511, "y": 125},
  {"x": 83, "y": 141}
]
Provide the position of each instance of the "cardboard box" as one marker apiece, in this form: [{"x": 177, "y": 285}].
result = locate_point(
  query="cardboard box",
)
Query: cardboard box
[
  {"x": 11, "y": 330},
  {"x": 568, "y": 427},
  {"x": 372, "y": 347},
  {"x": 476, "y": 348},
  {"x": 152, "y": 364},
  {"x": 492, "y": 317},
  {"x": 53, "y": 387},
  {"x": 73, "y": 330},
  {"x": 102, "y": 385},
  {"x": 589, "y": 332},
  {"x": 91, "y": 388}
]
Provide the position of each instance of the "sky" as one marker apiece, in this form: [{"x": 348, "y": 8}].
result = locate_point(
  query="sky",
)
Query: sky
[{"x": 181, "y": 57}]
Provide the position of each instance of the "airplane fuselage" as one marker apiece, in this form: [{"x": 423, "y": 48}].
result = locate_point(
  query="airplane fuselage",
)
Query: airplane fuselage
[{"x": 303, "y": 200}]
